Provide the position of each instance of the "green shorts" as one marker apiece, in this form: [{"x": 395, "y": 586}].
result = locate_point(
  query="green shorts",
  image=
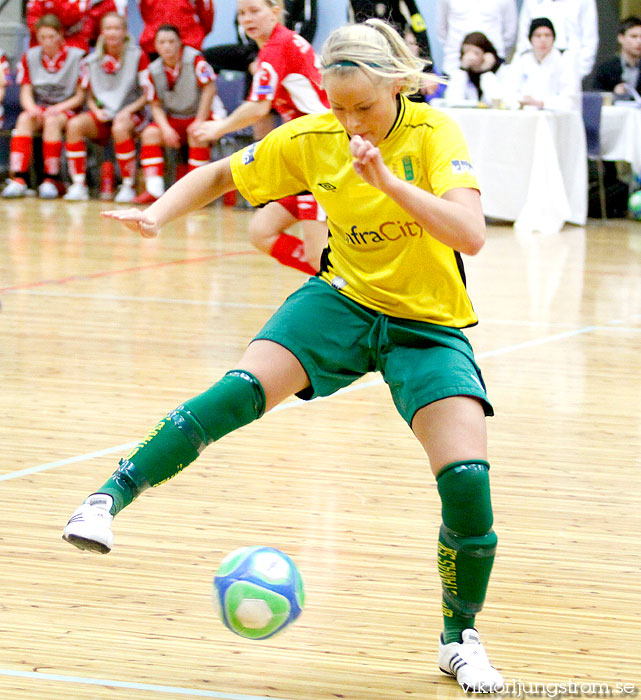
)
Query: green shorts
[{"x": 337, "y": 340}]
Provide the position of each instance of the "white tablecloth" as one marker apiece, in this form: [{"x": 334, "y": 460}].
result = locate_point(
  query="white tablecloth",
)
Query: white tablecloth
[
  {"x": 531, "y": 165},
  {"x": 621, "y": 135}
]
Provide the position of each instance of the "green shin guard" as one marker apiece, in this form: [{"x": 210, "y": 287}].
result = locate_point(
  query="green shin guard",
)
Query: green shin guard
[
  {"x": 236, "y": 400},
  {"x": 467, "y": 543}
]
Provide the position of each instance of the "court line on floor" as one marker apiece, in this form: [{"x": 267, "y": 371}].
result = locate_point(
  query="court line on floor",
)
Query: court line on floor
[
  {"x": 248, "y": 305},
  {"x": 120, "y": 271},
  {"x": 214, "y": 694},
  {"x": 154, "y": 300},
  {"x": 292, "y": 404},
  {"x": 193, "y": 692},
  {"x": 612, "y": 325}
]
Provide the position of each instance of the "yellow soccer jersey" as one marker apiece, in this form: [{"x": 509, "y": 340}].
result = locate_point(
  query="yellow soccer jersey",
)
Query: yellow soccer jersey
[{"x": 377, "y": 254}]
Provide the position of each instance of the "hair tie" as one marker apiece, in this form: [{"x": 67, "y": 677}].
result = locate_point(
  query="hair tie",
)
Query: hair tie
[{"x": 350, "y": 64}]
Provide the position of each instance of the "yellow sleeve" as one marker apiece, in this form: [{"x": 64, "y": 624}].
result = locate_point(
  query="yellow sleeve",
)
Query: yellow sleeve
[
  {"x": 270, "y": 169},
  {"x": 448, "y": 159}
]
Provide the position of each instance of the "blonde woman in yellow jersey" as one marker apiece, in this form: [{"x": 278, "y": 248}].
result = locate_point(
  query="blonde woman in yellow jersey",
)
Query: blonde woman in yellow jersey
[{"x": 402, "y": 202}]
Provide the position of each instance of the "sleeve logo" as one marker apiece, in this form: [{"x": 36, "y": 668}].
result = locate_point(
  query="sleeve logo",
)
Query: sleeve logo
[
  {"x": 248, "y": 155},
  {"x": 460, "y": 167}
]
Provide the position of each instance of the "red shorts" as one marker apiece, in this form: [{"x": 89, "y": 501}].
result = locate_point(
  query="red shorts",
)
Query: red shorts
[
  {"x": 180, "y": 124},
  {"x": 104, "y": 128},
  {"x": 303, "y": 207}
]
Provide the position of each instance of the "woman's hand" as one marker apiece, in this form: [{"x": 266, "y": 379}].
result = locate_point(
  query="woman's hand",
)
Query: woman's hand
[
  {"x": 101, "y": 114},
  {"x": 208, "y": 131},
  {"x": 135, "y": 219},
  {"x": 368, "y": 163},
  {"x": 170, "y": 136},
  {"x": 529, "y": 101}
]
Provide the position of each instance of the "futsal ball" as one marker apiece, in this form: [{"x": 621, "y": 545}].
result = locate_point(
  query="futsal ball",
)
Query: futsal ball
[
  {"x": 634, "y": 204},
  {"x": 258, "y": 592}
]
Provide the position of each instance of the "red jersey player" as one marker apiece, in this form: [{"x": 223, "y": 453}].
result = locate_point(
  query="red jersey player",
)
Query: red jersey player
[
  {"x": 69, "y": 12},
  {"x": 182, "y": 87},
  {"x": 115, "y": 75},
  {"x": 287, "y": 79},
  {"x": 193, "y": 18},
  {"x": 49, "y": 96}
]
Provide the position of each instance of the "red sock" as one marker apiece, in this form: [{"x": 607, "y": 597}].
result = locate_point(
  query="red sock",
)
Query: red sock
[
  {"x": 21, "y": 148},
  {"x": 198, "y": 155},
  {"x": 289, "y": 250},
  {"x": 77, "y": 160},
  {"x": 126, "y": 157},
  {"x": 152, "y": 161},
  {"x": 51, "y": 152}
]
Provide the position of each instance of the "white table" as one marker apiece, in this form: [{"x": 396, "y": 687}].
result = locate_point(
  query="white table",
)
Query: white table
[
  {"x": 531, "y": 165},
  {"x": 621, "y": 135}
]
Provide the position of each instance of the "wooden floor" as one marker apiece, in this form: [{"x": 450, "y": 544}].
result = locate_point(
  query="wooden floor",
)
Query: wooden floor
[{"x": 102, "y": 333}]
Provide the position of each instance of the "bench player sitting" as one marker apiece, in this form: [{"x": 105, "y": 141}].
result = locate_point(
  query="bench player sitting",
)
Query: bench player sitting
[
  {"x": 49, "y": 96},
  {"x": 182, "y": 87},
  {"x": 115, "y": 76}
]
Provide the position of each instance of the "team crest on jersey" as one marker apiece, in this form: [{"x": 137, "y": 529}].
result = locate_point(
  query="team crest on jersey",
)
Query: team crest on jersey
[
  {"x": 110, "y": 65},
  {"x": 204, "y": 72},
  {"x": 460, "y": 167},
  {"x": 266, "y": 81},
  {"x": 407, "y": 168}
]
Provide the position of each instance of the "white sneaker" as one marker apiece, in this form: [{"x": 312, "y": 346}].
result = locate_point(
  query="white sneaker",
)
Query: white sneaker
[
  {"x": 15, "y": 188},
  {"x": 125, "y": 195},
  {"x": 90, "y": 525},
  {"x": 48, "y": 190},
  {"x": 468, "y": 663},
  {"x": 77, "y": 192}
]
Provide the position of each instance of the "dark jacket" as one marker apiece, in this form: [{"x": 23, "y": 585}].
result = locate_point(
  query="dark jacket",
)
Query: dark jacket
[
  {"x": 301, "y": 17},
  {"x": 609, "y": 75},
  {"x": 400, "y": 13}
]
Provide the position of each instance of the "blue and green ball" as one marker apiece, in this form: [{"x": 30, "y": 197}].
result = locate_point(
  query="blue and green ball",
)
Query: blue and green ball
[{"x": 258, "y": 592}]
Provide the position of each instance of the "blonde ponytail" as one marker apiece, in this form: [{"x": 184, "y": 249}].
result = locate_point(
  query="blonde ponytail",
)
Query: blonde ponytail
[{"x": 375, "y": 47}]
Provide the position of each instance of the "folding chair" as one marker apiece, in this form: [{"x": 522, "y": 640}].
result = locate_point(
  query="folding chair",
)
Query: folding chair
[{"x": 592, "y": 104}]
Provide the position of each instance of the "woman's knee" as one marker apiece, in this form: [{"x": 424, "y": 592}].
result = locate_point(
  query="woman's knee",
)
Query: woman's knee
[
  {"x": 151, "y": 136},
  {"x": 53, "y": 127},
  {"x": 77, "y": 128},
  {"x": 122, "y": 129},
  {"x": 24, "y": 125}
]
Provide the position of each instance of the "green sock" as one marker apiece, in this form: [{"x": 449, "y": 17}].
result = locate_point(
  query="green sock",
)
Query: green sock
[
  {"x": 178, "y": 439},
  {"x": 467, "y": 543},
  {"x": 454, "y": 624}
]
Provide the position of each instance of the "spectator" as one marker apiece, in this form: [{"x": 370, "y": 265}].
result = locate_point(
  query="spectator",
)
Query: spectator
[
  {"x": 497, "y": 19},
  {"x": 543, "y": 77},
  {"x": 576, "y": 25},
  {"x": 430, "y": 88},
  {"x": 194, "y": 19},
  {"x": 622, "y": 74},
  {"x": 96, "y": 10},
  {"x": 69, "y": 12},
  {"x": 116, "y": 78},
  {"x": 182, "y": 89},
  {"x": 477, "y": 78},
  {"x": 49, "y": 96},
  {"x": 301, "y": 16},
  {"x": 403, "y": 14}
]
